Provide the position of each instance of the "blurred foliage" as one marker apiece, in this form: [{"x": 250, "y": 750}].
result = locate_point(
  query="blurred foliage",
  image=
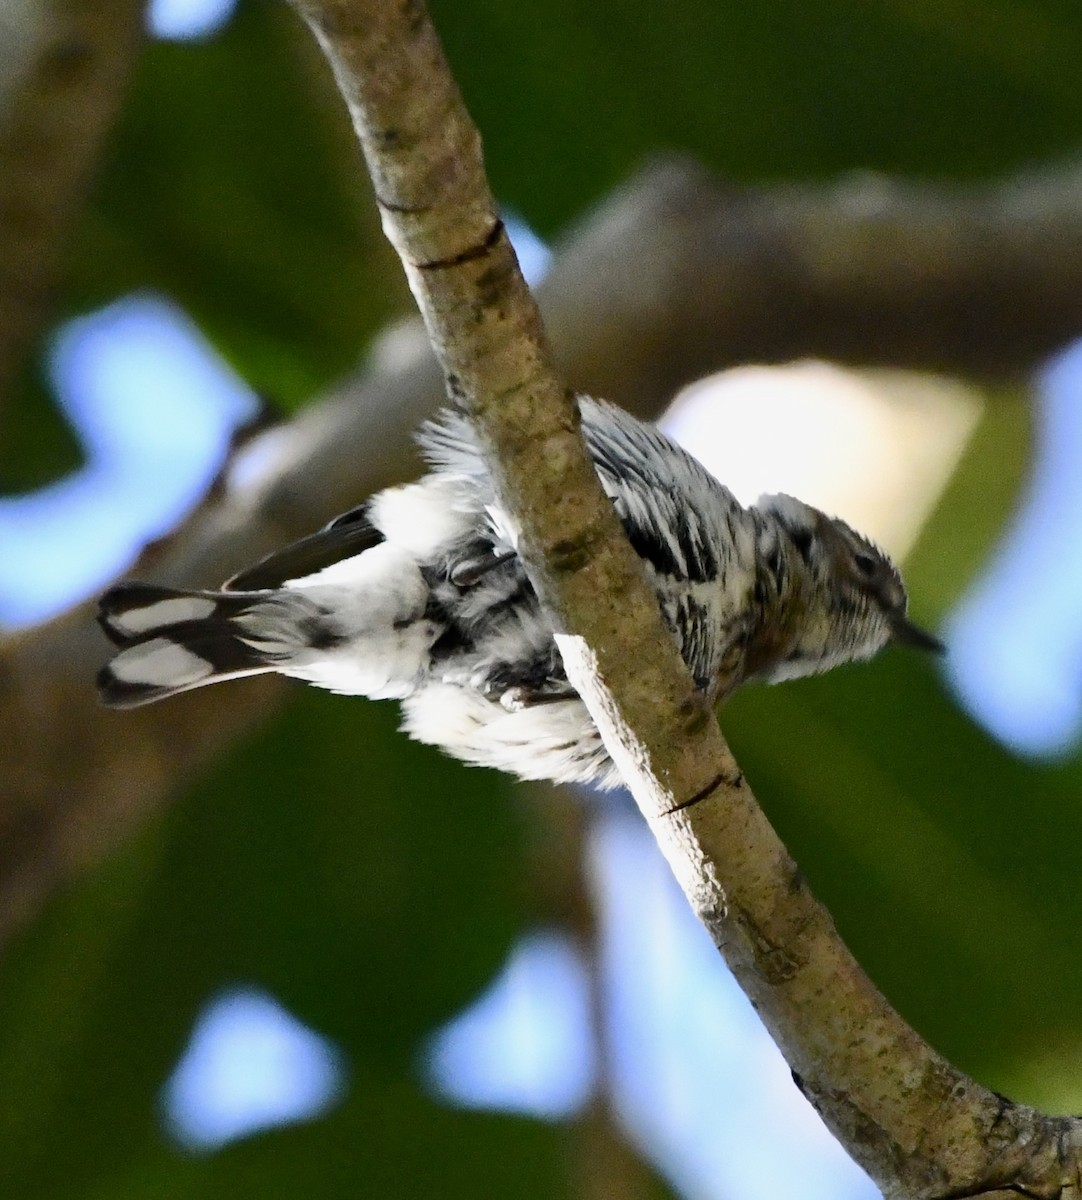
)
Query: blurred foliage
[
  {"x": 569, "y": 96},
  {"x": 976, "y": 506},
  {"x": 38, "y": 445},
  {"x": 908, "y": 819},
  {"x": 368, "y": 884},
  {"x": 235, "y": 185},
  {"x": 946, "y": 862},
  {"x": 372, "y": 886}
]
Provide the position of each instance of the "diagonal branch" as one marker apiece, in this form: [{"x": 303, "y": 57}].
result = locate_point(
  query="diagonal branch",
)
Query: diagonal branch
[
  {"x": 72, "y": 789},
  {"x": 918, "y": 1125}
]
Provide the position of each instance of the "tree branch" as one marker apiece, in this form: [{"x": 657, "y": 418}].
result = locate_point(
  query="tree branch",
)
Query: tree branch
[
  {"x": 63, "y": 71},
  {"x": 424, "y": 157},
  {"x": 917, "y": 1125},
  {"x": 981, "y": 279}
]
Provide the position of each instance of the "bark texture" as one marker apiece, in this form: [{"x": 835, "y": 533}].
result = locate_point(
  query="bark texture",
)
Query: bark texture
[{"x": 914, "y": 1122}]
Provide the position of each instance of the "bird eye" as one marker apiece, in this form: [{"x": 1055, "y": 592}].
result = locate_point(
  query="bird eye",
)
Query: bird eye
[{"x": 865, "y": 564}]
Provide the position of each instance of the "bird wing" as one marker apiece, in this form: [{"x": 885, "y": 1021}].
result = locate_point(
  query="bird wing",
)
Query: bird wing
[
  {"x": 678, "y": 517},
  {"x": 345, "y": 536}
]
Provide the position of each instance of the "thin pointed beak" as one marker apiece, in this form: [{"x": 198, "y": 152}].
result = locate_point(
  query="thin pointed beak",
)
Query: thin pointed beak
[{"x": 905, "y": 633}]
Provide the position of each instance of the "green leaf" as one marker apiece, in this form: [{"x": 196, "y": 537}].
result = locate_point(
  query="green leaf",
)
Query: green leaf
[
  {"x": 976, "y": 507},
  {"x": 387, "y": 1140},
  {"x": 947, "y": 863},
  {"x": 392, "y": 1142}
]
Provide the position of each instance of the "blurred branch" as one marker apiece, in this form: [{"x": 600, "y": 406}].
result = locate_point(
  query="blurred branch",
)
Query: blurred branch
[
  {"x": 64, "y": 65},
  {"x": 918, "y": 1125},
  {"x": 981, "y": 279}
]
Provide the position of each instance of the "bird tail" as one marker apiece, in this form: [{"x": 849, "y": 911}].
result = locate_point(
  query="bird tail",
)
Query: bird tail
[{"x": 172, "y": 640}]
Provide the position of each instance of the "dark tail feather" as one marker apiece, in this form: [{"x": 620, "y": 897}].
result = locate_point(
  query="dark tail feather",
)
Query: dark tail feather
[
  {"x": 131, "y": 611},
  {"x": 171, "y": 641}
]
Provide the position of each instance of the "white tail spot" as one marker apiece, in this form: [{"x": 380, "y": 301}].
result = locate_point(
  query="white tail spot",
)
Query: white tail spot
[
  {"x": 160, "y": 663},
  {"x": 161, "y": 613}
]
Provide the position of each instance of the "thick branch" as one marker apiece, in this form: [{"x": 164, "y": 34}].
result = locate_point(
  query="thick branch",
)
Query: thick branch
[
  {"x": 65, "y": 69},
  {"x": 918, "y": 1125}
]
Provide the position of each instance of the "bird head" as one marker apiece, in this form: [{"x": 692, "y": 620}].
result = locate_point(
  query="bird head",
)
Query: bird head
[{"x": 847, "y": 597}]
